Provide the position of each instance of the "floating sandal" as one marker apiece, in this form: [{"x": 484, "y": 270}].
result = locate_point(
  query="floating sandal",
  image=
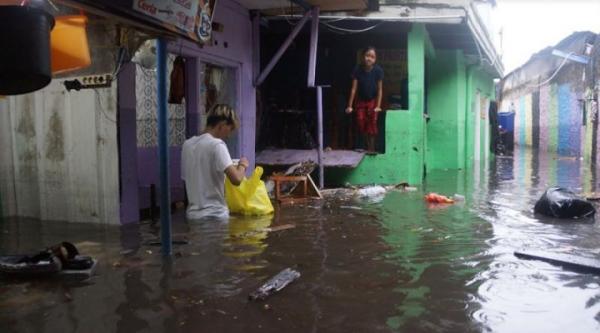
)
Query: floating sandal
[
  {"x": 63, "y": 256},
  {"x": 70, "y": 258}
]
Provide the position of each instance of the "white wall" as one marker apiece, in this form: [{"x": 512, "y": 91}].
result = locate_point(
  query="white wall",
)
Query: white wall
[{"x": 59, "y": 156}]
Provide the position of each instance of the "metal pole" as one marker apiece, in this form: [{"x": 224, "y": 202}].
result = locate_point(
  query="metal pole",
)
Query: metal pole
[
  {"x": 282, "y": 49},
  {"x": 320, "y": 134},
  {"x": 163, "y": 147},
  {"x": 314, "y": 42}
]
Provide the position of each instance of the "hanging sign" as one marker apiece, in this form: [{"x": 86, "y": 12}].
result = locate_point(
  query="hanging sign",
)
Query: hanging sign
[
  {"x": 190, "y": 17},
  {"x": 204, "y": 24},
  {"x": 178, "y": 13}
]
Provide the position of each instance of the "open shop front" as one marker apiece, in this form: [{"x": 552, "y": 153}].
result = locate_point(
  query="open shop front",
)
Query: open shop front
[{"x": 287, "y": 117}]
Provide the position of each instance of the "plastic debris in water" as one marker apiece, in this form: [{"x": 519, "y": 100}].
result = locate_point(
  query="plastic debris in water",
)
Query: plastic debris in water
[
  {"x": 371, "y": 191},
  {"x": 438, "y": 198},
  {"x": 275, "y": 284},
  {"x": 458, "y": 197}
]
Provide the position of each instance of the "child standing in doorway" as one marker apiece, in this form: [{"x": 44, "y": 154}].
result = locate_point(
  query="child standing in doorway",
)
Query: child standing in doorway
[{"x": 367, "y": 79}]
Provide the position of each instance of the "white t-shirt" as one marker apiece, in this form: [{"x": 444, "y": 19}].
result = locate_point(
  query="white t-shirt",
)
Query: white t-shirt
[{"x": 204, "y": 159}]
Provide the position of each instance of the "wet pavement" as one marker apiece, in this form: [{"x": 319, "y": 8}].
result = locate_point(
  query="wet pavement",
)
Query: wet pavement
[{"x": 389, "y": 264}]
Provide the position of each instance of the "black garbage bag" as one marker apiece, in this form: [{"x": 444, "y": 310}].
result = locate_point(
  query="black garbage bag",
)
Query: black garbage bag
[{"x": 563, "y": 203}]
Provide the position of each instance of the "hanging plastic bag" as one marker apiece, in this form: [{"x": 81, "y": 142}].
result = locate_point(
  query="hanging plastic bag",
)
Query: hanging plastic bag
[{"x": 250, "y": 198}]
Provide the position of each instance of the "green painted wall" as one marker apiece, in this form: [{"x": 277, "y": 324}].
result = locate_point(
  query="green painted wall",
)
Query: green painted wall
[
  {"x": 404, "y": 131},
  {"x": 452, "y": 107},
  {"x": 417, "y": 40},
  {"x": 447, "y": 140},
  {"x": 482, "y": 82},
  {"x": 389, "y": 168},
  {"x": 446, "y": 107}
]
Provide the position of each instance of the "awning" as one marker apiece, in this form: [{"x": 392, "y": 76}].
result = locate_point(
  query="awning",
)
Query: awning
[{"x": 188, "y": 19}]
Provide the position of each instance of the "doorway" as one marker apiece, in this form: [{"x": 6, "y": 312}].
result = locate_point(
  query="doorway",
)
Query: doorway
[{"x": 218, "y": 85}]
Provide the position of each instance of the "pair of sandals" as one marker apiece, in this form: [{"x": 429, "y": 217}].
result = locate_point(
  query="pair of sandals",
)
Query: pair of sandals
[{"x": 59, "y": 257}]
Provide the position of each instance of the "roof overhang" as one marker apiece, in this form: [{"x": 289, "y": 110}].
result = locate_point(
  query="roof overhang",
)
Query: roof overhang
[
  {"x": 487, "y": 50},
  {"x": 124, "y": 12},
  {"x": 324, "y": 5},
  {"x": 450, "y": 26}
]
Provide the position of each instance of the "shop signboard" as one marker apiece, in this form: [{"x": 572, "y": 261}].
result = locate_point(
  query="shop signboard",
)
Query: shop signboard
[{"x": 190, "y": 17}]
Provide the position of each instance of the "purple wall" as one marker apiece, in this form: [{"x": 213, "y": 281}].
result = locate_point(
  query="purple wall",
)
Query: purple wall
[
  {"x": 148, "y": 174},
  {"x": 129, "y": 209},
  {"x": 233, "y": 48}
]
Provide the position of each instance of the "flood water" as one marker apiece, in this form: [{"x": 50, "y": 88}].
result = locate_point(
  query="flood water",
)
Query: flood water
[{"x": 391, "y": 264}]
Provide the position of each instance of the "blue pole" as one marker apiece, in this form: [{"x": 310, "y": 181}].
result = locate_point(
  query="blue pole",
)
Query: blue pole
[
  {"x": 163, "y": 147},
  {"x": 320, "y": 136}
]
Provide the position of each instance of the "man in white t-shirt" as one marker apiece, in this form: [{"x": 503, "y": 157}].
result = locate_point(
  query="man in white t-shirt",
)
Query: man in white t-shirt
[{"x": 205, "y": 161}]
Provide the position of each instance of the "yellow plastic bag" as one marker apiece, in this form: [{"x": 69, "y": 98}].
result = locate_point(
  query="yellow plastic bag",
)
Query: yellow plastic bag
[{"x": 250, "y": 198}]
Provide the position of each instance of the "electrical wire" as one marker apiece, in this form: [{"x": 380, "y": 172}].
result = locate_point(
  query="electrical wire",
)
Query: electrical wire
[
  {"x": 337, "y": 20},
  {"x": 119, "y": 63},
  {"x": 482, "y": 58},
  {"x": 333, "y": 28},
  {"x": 351, "y": 31},
  {"x": 53, "y": 5},
  {"x": 337, "y": 32},
  {"x": 101, "y": 107},
  {"x": 554, "y": 74},
  {"x": 291, "y": 14}
]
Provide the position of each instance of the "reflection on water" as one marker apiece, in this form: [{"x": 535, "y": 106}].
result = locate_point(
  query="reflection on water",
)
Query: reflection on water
[
  {"x": 513, "y": 295},
  {"x": 385, "y": 265}
]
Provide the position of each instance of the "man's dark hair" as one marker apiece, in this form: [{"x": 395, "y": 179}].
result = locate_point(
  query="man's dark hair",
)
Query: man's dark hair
[{"x": 222, "y": 112}]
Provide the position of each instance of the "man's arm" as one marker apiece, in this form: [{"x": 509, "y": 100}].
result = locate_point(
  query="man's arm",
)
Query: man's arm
[{"x": 236, "y": 173}]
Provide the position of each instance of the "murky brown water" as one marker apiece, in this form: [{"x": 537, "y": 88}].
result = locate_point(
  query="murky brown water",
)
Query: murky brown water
[{"x": 390, "y": 265}]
